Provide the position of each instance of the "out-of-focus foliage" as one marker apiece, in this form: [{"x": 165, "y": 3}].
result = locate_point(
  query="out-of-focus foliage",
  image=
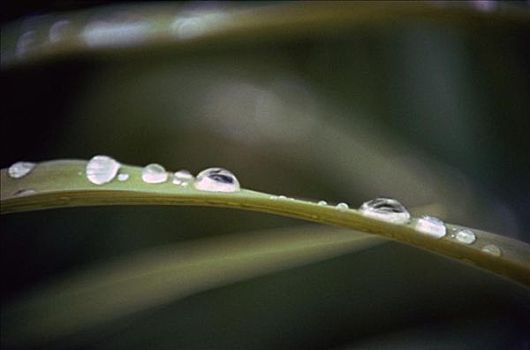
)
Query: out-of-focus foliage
[{"x": 426, "y": 106}]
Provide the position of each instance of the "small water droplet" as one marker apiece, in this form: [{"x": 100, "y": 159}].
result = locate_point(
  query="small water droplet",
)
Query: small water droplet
[
  {"x": 123, "y": 177},
  {"x": 273, "y": 197},
  {"x": 282, "y": 197},
  {"x": 20, "y": 169},
  {"x": 24, "y": 192},
  {"x": 342, "y": 206},
  {"x": 492, "y": 249},
  {"x": 154, "y": 174},
  {"x": 58, "y": 30},
  {"x": 25, "y": 43},
  {"x": 101, "y": 169},
  {"x": 386, "y": 209},
  {"x": 464, "y": 236},
  {"x": 182, "y": 178},
  {"x": 322, "y": 203},
  {"x": 216, "y": 180},
  {"x": 431, "y": 226}
]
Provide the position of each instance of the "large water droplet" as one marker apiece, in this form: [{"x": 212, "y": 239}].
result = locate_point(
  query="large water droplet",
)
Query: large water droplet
[
  {"x": 154, "y": 174},
  {"x": 182, "y": 178},
  {"x": 464, "y": 236},
  {"x": 386, "y": 209},
  {"x": 342, "y": 206},
  {"x": 492, "y": 249},
  {"x": 431, "y": 226},
  {"x": 101, "y": 169},
  {"x": 20, "y": 169},
  {"x": 216, "y": 180}
]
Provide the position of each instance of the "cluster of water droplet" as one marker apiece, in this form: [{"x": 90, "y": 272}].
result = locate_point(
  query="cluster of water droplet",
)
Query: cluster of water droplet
[
  {"x": 390, "y": 210},
  {"x": 103, "y": 169}
]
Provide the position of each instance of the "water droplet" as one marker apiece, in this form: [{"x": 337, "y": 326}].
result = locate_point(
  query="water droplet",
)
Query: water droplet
[
  {"x": 101, "y": 169},
  {"x": 282, "y": 197},
  {"x": 216, "y": 180},
  {"x": 182, "y": 177},
  {"x": 154, "y": 174},
  {"x": 24, "y": 192},
  {"x": 58, "y": 30},
  {"x": 115, "y": 33},
  {"x": 431, "y": 226},
  {"x": 386, "y": 209},
  {"x": 342, "y": 206},
  {"x": 123, "y": 177},
  {"x": 25, "y": 43},
  {"x": 464, "y": 236},
  {"x": 322, "y": 203},
  {"x": 20, "y": 169},
  {"x": 492, "y": 249}
]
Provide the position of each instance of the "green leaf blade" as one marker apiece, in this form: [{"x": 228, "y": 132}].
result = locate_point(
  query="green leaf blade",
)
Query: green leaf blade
[{"x": 62, "y": 183}]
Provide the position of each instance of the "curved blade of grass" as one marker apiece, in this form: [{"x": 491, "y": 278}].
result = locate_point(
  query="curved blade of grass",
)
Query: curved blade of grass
[
  {"x": 62, "y": 183},
  {"x": 164, "y": 25},
  {"x": 162, "y": 275}
]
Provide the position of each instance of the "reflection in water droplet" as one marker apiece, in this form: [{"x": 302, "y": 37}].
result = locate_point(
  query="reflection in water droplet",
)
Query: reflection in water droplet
[
  {"x": 343, "y": 206},
  {"x": 20, "y": 169},
  {"x": 101, "y": 169},
  {"x": 386, "y": 209},
  {"x": 123, "y": 177},
  {"x": 322, "y": 203},
  {"x": 25, "y": 42},
  {"x": 154, "y": 174},
  {"x": 216, "y": 180},
  {"x": 484, "y": 5},
  {"x": 431, "y": 226},
  {"x": 492, "y": 249},
  {"x": 58, "y": 29},
  {"x": 24, "y": 192},
  {"x": 464, "y": 236},
  {"x": 186, "y": 28},
  {"x": 194, "y": 25},
  {"x": 182, "y": 178},
  {"x": 115, "y": 33}
]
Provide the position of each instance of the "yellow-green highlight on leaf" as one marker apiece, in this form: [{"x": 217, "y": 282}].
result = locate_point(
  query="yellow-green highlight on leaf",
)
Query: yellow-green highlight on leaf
[{"x": 62, "y": 183}]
